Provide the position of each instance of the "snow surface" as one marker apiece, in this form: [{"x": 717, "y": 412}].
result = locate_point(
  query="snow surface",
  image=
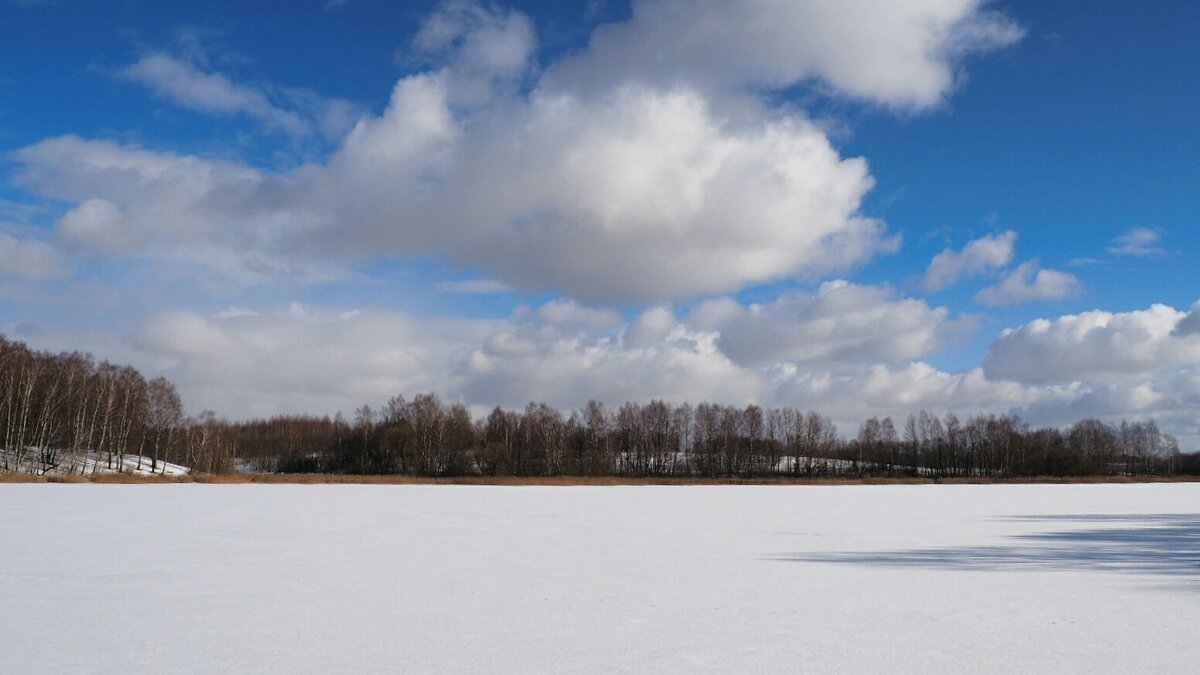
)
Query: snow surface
[
  {"x": 323, "y": 578},
  {"x": 137, "y": 465},
  {"x": 93, "y": 463}
]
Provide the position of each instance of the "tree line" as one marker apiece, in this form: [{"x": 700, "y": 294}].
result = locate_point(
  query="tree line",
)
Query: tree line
[
  {"x": 426, "y": 436},
  {"x": 66, "y": 413}
]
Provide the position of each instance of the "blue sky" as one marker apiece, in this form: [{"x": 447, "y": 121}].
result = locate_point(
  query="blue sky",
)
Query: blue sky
[{"x": 563, "y": 201}]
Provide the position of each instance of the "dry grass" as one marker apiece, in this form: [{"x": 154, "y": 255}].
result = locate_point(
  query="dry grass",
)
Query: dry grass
[
  {"x": 67, "y": 478},
  {"x": 136, "y": 478},
  {"x": 339, "y": 479},
  {"x": 9, "y": 477},
  {"x": 1067, "y": 480}
]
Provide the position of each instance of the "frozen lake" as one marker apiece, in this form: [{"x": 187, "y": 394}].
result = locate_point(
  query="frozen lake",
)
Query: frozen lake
[{"x": 322, "y": 578}]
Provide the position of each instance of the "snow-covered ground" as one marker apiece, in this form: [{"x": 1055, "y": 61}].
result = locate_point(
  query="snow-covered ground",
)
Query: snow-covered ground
[
  {"x": 439, "y": 579},
  {"x": 92, "y": 463},
  {"x": 133, "y": 464}
]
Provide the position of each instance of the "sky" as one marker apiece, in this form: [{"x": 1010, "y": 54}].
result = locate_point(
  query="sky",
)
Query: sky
[{"x": 865, "y": 208}]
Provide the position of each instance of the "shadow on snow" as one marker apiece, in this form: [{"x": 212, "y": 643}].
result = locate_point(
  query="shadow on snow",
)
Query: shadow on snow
[{"x": 1165, "y": 544}]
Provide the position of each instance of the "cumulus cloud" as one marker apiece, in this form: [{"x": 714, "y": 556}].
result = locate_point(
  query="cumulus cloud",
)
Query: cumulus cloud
[
  {"x": 851, "y": 395},
  {"x": 650, "y": 327},
  {"x": 899, "y": 54},
  {"x": 713, "y": 313},
  {"x": 523, "y": 363},
  {"x": 95, "y": 226},
  {"x": 570, "y": 314},
  {"x": 653, "y": 167},
  {"x": 283, "y": 359},
  {"x": 305, "y": 358},
  {"x": 1141, "y": 242},
  {"x": 249, "y": 361},
  {"x": 1132, "y": 365},
  {"x": 302, "y": 358},
  {"x": 842, "y": 323},
  {"x": 1170, "y": 397},
  {"x": 986, "y": 254},
  {"x": 478, "y": 47},
  {"x": 670, "y": 182},
  {"x": 648, "y": 195},
  {"x": 225, "y": 216},
  {"x": 1029, "y": 282},
  {"x": 1094, "y": 345},
  {"x": 1190, "y": 324},
  {"x": 632, "y": 196},
  {"x": 560, "y": 352}
]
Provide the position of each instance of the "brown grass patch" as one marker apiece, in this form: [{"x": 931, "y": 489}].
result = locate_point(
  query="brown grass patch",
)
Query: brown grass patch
[
  {"x": 67, "y": 478},
  {"x": 222, "y": 479},
  {"x": 14, "y": 477},
  {"x": 132, "y": 478}
]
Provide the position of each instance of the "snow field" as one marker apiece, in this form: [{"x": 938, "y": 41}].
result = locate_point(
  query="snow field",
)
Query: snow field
[{"x": 355, "y": 578}]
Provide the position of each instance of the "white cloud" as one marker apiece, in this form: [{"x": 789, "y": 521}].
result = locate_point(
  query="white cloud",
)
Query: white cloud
[
  {"x": 271, "y": 360},
  {"x": 638, "y": 195},
  {"x": 647, "y": 187},
  {"x": 330, "y": 118},
  {"x": 95, "y": 225},
  {"x": 900, "y": 54},
  {"x": 520, "y": 364},
  {"x": 1027, "y": 283},
  {"x": 321, "y": 359},
  {"x": 850, "y": 395},
  {"x": 478, "y": 47},
  {"x": 643, "y": 195},
  {"x": 614, "y": 178},
  {"x": 569, "y": 313},
  {"x": 650, "y": 327},
  {"x": 842, "y": 323},
  {"x": 305, "y": 358},
  {"x": 225, "y": 216},
  {"x": 30, "y": 259},
  {"x": 189, "y": 86},
  {"x": 713, "y": 313},
  {"x": 1190, "y": 324},
  {"x": 185, "y": 334},
  {"x": 986, "y": 254},
  {"x": 1141, "y": 242},
  {"x": 1170, "y": 397},
  {"x": 474, "y": 287},
  {"x": 1093, "y": 346},
  {"x": 233, "y": 312},
  {"x": 302, "y": 358}
]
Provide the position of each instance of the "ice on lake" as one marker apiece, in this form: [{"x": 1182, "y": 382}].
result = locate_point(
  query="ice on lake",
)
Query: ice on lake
[{"x": 438, "y": 579}]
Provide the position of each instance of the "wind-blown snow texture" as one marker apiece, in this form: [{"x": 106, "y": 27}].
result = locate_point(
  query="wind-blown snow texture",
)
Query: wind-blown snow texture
[{"x": 196, "y": 578}]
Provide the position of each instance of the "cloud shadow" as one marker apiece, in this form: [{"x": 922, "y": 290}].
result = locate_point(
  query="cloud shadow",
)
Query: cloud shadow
[{"x": 1161, "y": 544}]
